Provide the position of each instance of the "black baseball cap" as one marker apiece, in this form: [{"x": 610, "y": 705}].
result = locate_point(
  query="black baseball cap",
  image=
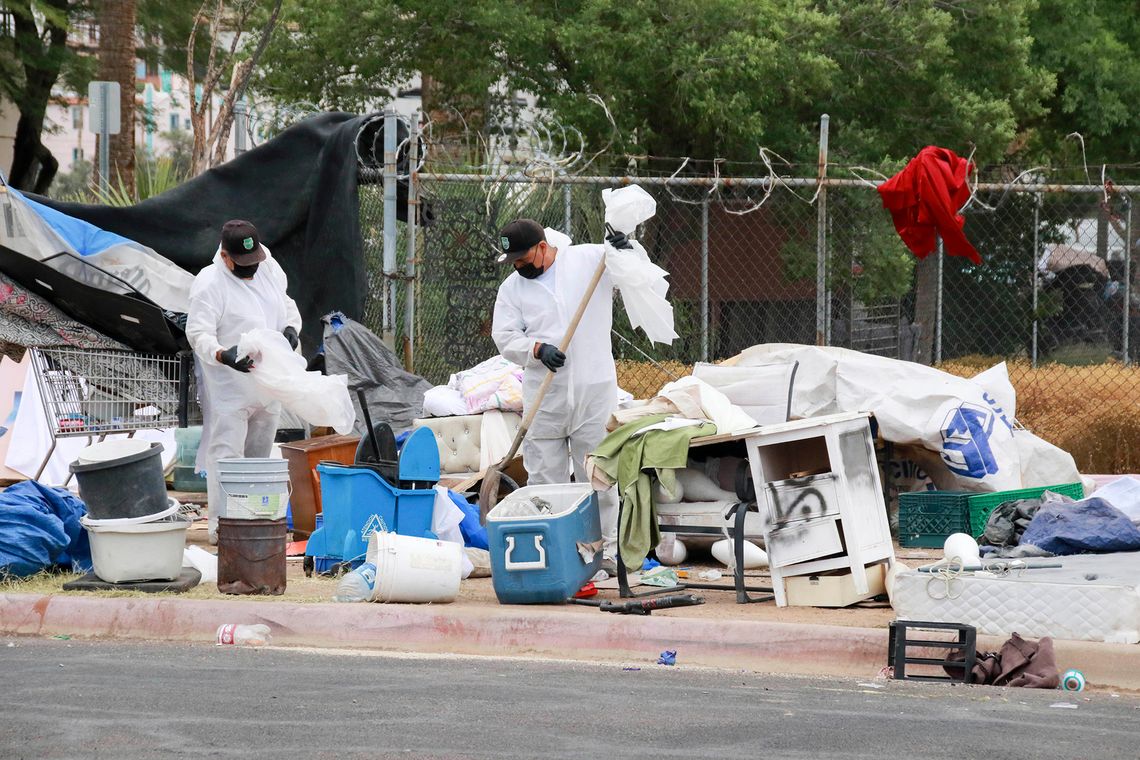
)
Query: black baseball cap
[
  {"x": 517, "y": 238},
  {"x": 241, "y": 241}
]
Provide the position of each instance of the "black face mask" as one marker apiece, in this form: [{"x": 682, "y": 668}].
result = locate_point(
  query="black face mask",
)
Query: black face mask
[
  {"x": 246, "y": 272},
  {"x": 530, "y": 271}
]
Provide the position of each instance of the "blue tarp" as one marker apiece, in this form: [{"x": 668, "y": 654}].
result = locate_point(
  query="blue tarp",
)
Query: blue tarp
[
  {"x": 84, "y": 237},
  {"x": 474, "y": 534},
  {"x": 1083, "y": 527},
  {"x": 39, "y": 527}
]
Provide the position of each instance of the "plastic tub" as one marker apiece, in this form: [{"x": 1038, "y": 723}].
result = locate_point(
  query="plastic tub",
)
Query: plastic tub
[
  {"x": 130, "y": 486},
  {"x": 410, "y": 569},
  {"x": 186, "y": 445},
  {"x": 255, "y": 488},
  {"x": 251, "y": 556},
  {"x": 141, "y": 551},
  {"x": 172, "y": 507}
]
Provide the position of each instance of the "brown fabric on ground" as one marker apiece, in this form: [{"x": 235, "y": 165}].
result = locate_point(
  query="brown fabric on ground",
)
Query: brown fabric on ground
[{"x": 1031, "y": 664}]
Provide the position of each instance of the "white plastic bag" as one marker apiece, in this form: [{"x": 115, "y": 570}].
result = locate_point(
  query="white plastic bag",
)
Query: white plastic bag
[
  {"x": 201, "y": 560},
  {"x": 628, "y": 207},
  {"x": 641, "y": 282},
  {"x": 280, "y": 373}
]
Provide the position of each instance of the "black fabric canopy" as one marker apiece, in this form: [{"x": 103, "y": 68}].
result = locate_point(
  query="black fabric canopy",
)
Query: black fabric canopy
[{"x": 299, "y": 189}]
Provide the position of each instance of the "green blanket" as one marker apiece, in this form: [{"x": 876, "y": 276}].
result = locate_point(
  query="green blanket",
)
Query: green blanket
[{"x": 633, "y": 463}]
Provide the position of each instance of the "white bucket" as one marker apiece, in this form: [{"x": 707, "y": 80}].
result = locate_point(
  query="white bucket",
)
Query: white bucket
[
  {"x": 149, "y": 551},
  {"x": 255, "y": 489},
  {"x": 410, "y": 569}
]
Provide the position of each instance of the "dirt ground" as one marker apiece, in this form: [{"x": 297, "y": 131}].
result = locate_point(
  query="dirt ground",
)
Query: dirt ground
[{"x": 478, "y": 592}]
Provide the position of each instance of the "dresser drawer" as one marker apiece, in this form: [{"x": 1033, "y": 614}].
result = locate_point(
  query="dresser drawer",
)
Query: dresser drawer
[
  {"x": 797, "y": 499},
  {"x": 802, "y": 541}
]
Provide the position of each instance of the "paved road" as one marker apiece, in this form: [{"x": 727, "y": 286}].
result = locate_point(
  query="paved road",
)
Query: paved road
[{"x": 65, "y": 699}]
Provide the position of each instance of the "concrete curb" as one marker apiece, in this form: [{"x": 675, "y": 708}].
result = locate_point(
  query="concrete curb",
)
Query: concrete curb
[
  {"x": 515, "y": 632},
  {"x": 507, "y": 631}
]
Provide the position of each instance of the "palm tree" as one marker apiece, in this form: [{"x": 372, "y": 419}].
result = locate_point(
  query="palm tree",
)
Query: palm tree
[{"x": 117, "y": 64}]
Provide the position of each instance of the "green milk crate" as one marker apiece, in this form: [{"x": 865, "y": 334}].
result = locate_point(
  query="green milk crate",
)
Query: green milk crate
[{"x": 927, "y": 518}]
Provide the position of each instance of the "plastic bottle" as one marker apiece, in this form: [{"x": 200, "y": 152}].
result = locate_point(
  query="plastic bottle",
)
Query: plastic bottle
[
  {"x": 358, "y": 585},
  {"x": 243, "y": 635}
]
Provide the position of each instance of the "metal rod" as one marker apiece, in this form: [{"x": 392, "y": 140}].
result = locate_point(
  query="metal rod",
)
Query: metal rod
[
  {"x": 388, "y": 319},
  {"x": 240, "y": 126},
  {"x": 938, "y": 306},
  {"x": 1036, "y": 270},
  {"x": 567, "y": 210},
  {"x": 104, "y": 142},
  {"x": 705, "y": 279},
  {"x": 821, "y": 238},
  {"x": 757, "y": 182},
  {"x": 413, "y": 220},
  {"x": 1127, "y": 277}
]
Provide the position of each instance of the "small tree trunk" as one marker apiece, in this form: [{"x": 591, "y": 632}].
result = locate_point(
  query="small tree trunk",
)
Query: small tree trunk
[
  {"x": 926, "y": 307},
  {"x": 117, "y": 64}
]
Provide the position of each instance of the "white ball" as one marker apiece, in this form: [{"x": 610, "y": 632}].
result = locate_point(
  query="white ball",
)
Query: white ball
[
  {"x": 963, "y": 546},
  {"x": 754, "y": 556}
]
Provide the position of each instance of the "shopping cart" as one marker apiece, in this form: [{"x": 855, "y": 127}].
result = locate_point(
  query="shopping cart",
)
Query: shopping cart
[{"x": 96, "y": 393}]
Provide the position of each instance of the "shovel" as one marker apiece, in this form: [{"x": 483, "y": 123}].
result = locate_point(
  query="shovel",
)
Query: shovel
[{"x": 489, "y": 491}]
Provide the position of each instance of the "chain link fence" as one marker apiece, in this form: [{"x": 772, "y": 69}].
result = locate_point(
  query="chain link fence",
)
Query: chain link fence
[{"x": 758, "y": 260}]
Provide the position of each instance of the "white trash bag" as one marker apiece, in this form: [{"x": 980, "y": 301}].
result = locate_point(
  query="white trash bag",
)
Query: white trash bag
[{"x": 280, "y": 373}]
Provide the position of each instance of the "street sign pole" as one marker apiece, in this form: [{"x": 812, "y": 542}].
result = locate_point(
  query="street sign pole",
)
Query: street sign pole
[{"x": 103, "y": 104}]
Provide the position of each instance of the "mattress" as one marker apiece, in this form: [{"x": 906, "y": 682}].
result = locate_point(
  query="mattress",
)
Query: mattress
[{"x": 1092, "y": 597}]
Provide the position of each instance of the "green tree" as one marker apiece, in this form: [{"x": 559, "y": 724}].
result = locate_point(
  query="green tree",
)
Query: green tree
[
  {"x": 689, "y": 77},
  {"x": 1094, "y": 50}
]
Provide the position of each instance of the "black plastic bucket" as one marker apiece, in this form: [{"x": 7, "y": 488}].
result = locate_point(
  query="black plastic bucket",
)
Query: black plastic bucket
[
  {"x": 251, "y": 556},
  {"x": 131, "y": 486}
]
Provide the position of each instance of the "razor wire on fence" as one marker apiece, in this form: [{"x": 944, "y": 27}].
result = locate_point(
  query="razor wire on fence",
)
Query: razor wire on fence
[{"x": 755, "y": 260}]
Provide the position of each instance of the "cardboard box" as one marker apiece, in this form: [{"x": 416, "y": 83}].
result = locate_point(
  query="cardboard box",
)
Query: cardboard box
[{"x": 833, "y": 589}]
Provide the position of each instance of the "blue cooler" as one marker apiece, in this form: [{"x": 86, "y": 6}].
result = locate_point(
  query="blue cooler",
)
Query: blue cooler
[{"x": 535, "y": 560}]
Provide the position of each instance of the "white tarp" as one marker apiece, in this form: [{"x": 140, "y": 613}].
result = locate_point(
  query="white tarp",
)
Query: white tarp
[{"x": 967, "y": 423}]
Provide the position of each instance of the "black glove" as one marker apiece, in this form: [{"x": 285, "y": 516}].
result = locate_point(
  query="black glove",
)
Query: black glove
[
  {"x": 551, "y": 356},
  {"x": 618, "y": 239},
  {"x": 291, "y": 336},
  {"x": 229, "y": 358}
]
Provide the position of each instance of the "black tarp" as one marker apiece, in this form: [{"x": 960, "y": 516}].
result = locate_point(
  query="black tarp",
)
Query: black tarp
[{"x": 300, "y": 191}]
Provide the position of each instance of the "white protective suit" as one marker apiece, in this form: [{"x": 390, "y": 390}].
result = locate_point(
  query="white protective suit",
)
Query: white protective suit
[
  {"x": 237, "y": 420},
  {"x": 571, "y": 421}
]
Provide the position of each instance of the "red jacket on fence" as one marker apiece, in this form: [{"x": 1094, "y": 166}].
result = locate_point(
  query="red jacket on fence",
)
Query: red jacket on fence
[{"x": 924, "y": 199}]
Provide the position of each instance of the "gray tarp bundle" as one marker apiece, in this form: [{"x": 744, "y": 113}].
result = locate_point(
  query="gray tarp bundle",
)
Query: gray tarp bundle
[{"x": 394, "y": 395}]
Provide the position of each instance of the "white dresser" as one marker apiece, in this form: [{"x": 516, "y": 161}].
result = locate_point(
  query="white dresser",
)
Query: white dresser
[{"x": 820, "y": 498}]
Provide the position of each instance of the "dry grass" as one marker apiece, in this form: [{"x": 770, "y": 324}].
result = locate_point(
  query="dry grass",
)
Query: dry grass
[
  {"x": 644, "y": 379},
  {"x": 1091, "y": 411}
]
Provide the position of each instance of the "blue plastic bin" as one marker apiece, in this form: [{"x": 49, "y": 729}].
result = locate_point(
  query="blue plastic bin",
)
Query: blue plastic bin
[
  {"x": 356, "y": 502},
  {"x": 535, "y": 560}
]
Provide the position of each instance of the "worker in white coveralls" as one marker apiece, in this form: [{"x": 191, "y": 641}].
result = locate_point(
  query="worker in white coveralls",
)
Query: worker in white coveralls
[
  {"x": 243, "y": 289},
  {"x": 532, "y": 312}
]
